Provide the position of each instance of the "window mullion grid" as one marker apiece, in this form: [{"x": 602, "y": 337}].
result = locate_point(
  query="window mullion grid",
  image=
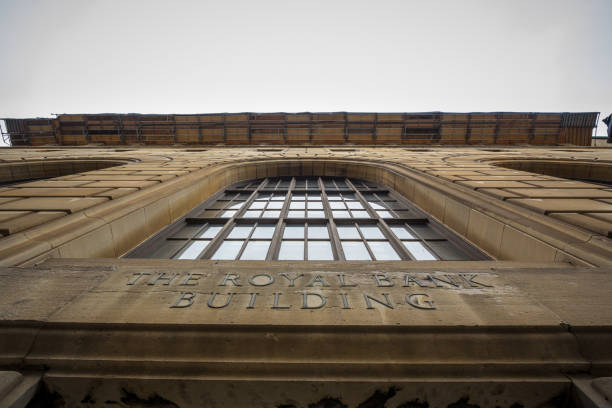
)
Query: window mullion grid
[
  {"x": 305, "y": 224},
  {"x": 373, "y": 214},
  {"x": 365, "y": 241},
  {"x": 395, "y": 242},
  {"x": 422, "y": 241},
  {"x": 188, "y": 241},
  {"x": 246, "y": 241},
  {"x": 229, "y": 224},
  {"x": 334, "y": 237}
]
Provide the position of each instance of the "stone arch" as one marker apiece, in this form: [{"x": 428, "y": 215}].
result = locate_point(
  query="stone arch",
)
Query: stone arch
[{"x": 113, "y": 228}]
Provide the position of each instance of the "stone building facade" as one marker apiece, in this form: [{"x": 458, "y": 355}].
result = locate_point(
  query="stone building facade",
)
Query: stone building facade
[{"x": 510, "y": 306}]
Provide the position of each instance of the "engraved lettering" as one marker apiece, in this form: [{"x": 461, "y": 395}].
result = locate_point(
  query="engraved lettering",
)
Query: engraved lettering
[
  {"x": 470, "y": 280},
  {"x": 386, "y": 304},
  {"x": 212, "y": 299},
  {"x": 436, "y": 279},
  {"x": 252, "y": 301},
  {"x": 382, "y": 280},
  {"x": 231, "y": 277},
  {"x": 343, "y": 284},
  {"x": 276, "y": 298},
  {"x": 191, "y": 277},
  {"x": 290, "y": 279},
  {"x": 186, "y": 297},
  {"x": 317, "y": 279},
  {"x": 419, "y": 301},
  {"x": 306, "y": 305},
  {"x": 409, "y": 280},
  {"x": 345, "y": 303},
  {"x": 138, "y": 276},
  {"x": 162, "y": 276},
  {"x": 253, "y": 280}
]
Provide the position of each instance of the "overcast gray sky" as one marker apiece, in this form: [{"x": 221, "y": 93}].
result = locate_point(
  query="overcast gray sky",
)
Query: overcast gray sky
[{"x": 232, "y": 56}]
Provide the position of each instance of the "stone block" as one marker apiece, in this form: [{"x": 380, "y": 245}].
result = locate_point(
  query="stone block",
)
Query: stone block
[
  {"x": 548, "y": 205},
  {"x": 561, "y": 192},
  {"x": 68, "y": 204},
  {"x": 492, "y": 184},
  {"x": 517, "y": 245},
  {"x": 485, "y": 232},
  {"x": 28, "y": 220}
]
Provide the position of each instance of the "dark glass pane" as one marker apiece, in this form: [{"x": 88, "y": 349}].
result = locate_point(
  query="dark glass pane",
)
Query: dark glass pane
[
  {"x": 424, "y": 231},
  {"x": 447, "y": 251},
  {"x": 188, "y": 231},
  {"x": 168, "y": 249}
]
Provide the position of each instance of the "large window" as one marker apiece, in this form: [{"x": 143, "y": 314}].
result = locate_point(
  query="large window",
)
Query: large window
[{"x": 307, "y": 218}]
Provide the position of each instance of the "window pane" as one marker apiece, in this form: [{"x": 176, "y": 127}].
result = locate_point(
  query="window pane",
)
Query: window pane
[
  {"x": 257, "y": 205},
  {"x": 371, "y": 232},
  {"x": 271, "y": 214},
  {"x": 384, "y": 214},
  {"x": 360, "y": 214},
  {"x": 256, "y": 250},
  {"x": 314, "y": 197},
  {"x": 187, "y": 231},
  {"x": 294, "y": 231},
  {"x": 383, "y": 251},
  {"x": 228, "y": 214},
  {"x": 348, "y": 232},
  {"x": 333, "y": 197},
  {"x": 376, "y": 206},
  {"x": 315, "y": 205},
  {"x": 316, "y": 214},
  {"x": 418, "y": 251},
  {"x": 236, "y": 205},
  {"x": 341, "y": 214},
  {"x": 296, "y": 214},
  {"x": 447, "y": 251},
  {"x": 241, "y": 231},
  {"x": 252, "y": 214},
  {"x": 275, "y": 205},
  {"x": 337, "y": 205},
  {"x": 297, "y": 205},
  {"x": 424, "y": 231},
  {"x": 278, "y": 197},
  {"x": 354, "y": 205},
  {"x": 320, "y": 250},
  {"x": 355, "y": 251},
  {"x": 263, "y": 196},
  {"x": 228, "y": 250},
  {"x": 298, "y": 197},
  {"x": 291, "y": 250},
  {"x": 263, "y": 231},
  {"x": 211, "y": 231},
  {"x": 317, "y": 231},
  {"x": 194, "y": 249},
  {"x": 167, "y": 250},
  {"x": 402, "y": 232},
  {"x": 349, "y": 196}
]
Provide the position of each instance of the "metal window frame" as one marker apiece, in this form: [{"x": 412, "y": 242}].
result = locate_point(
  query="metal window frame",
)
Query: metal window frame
[{"x": 287, "y": 187}]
